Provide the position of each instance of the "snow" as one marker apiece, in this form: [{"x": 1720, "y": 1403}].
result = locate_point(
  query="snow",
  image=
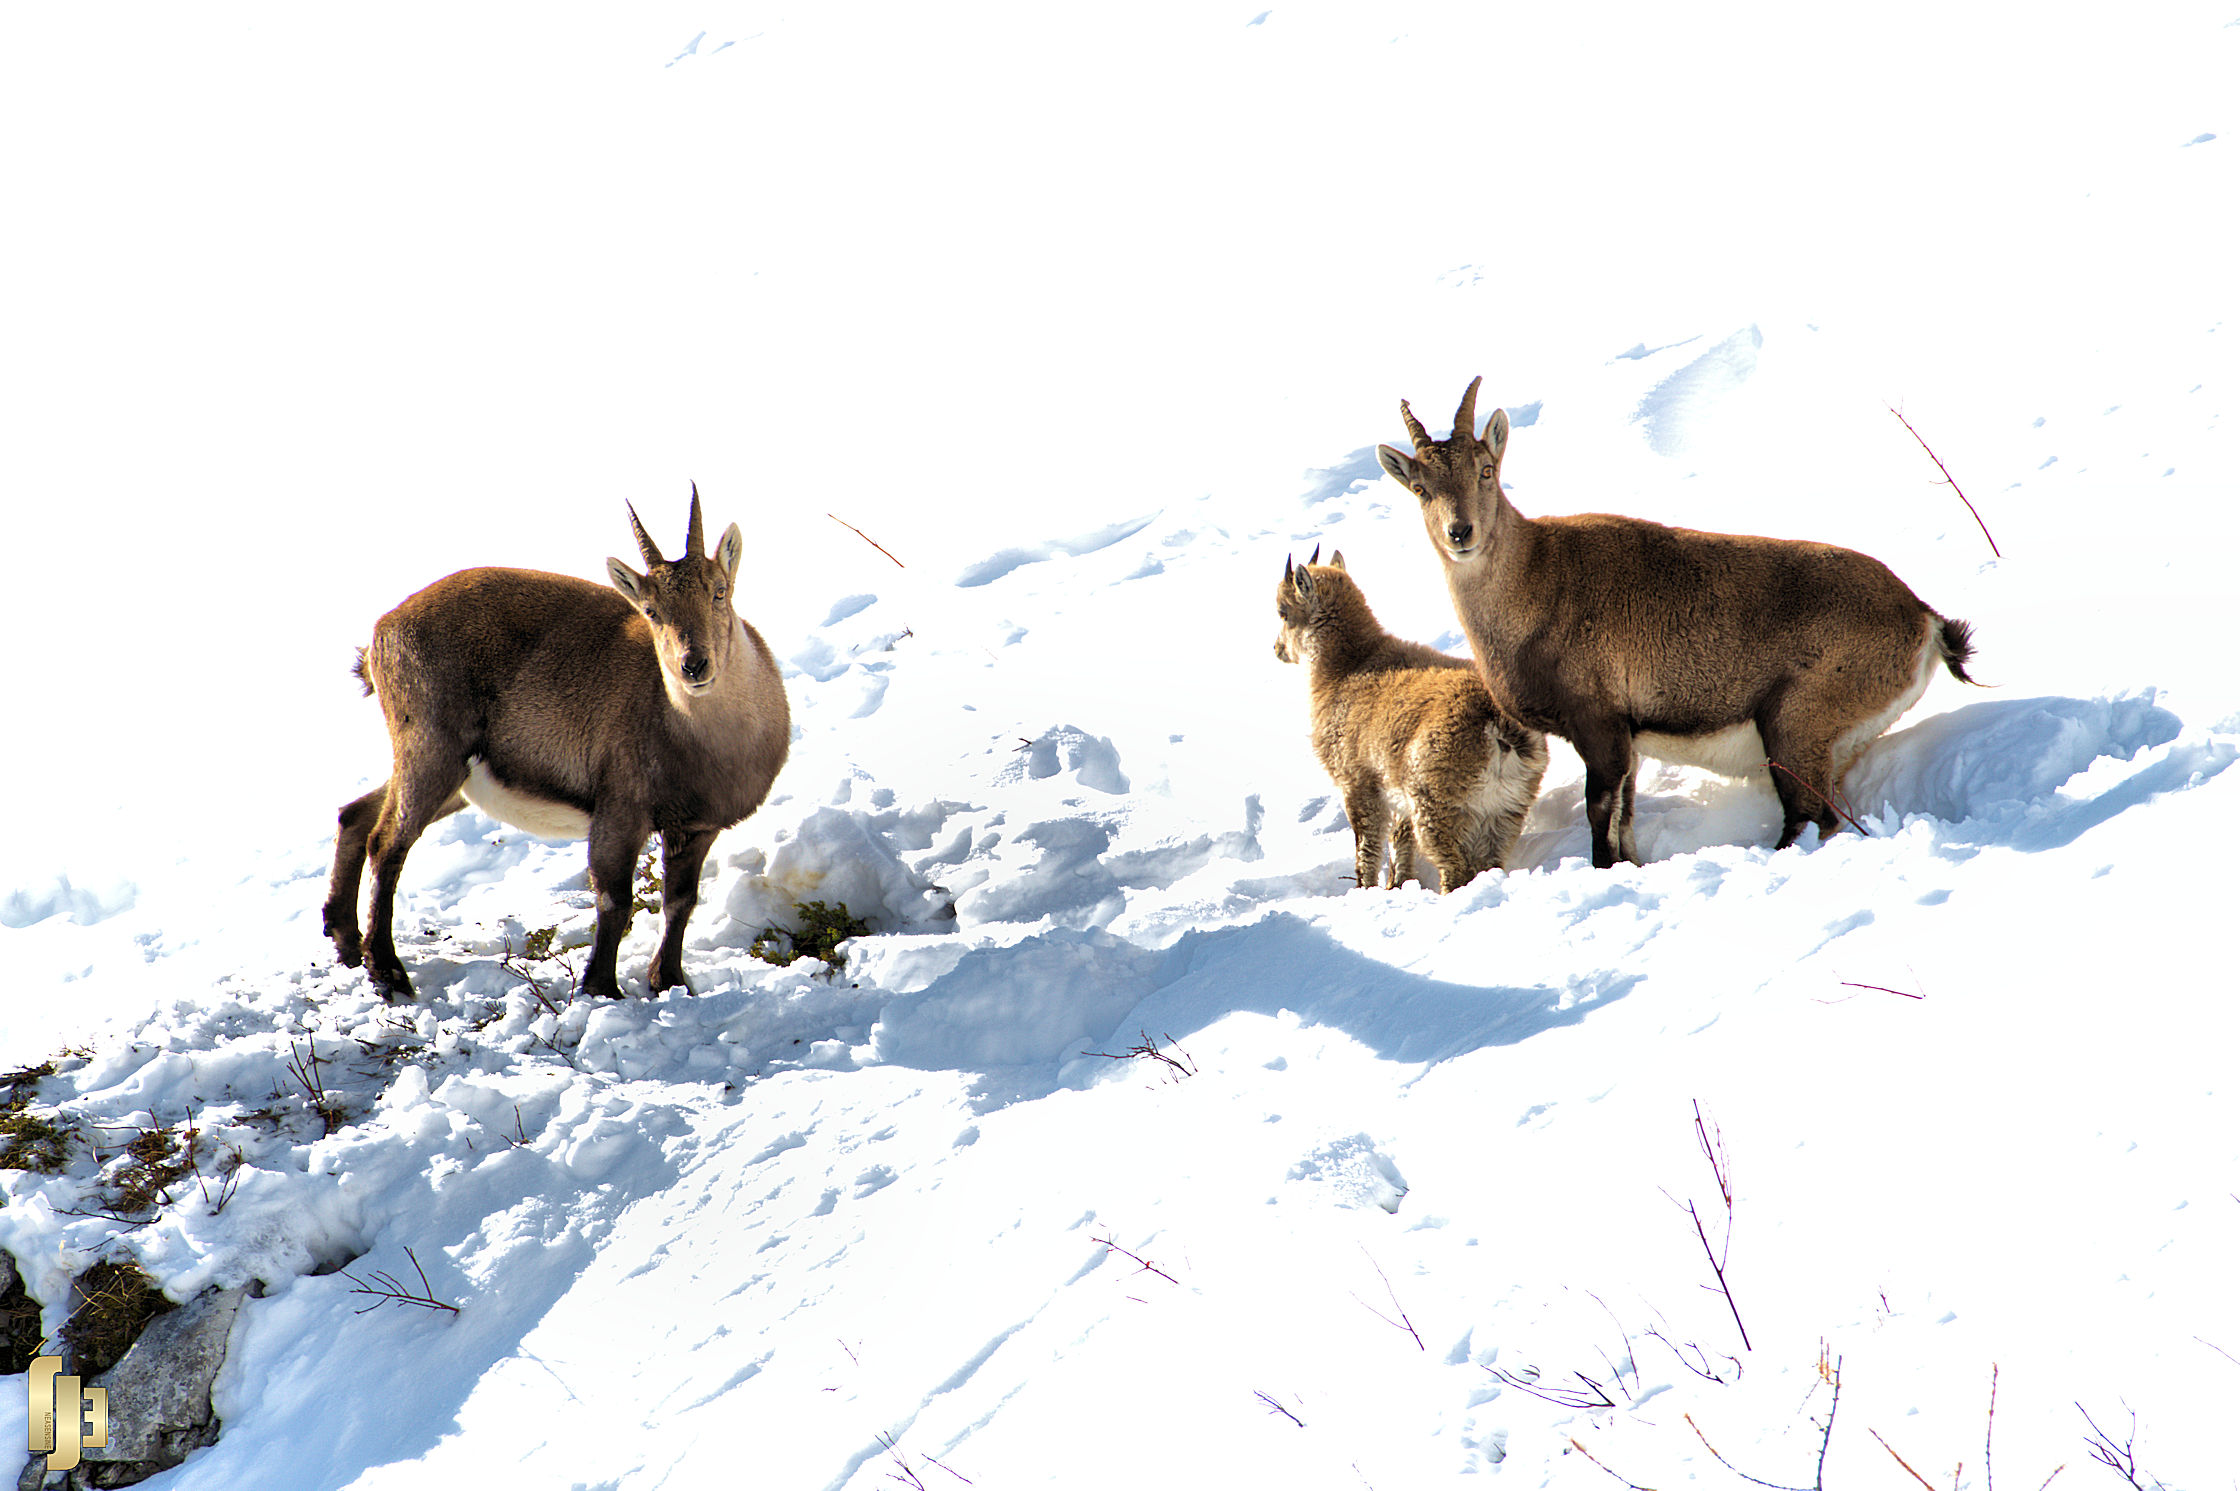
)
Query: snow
[{"x": 1091, "y": 318}]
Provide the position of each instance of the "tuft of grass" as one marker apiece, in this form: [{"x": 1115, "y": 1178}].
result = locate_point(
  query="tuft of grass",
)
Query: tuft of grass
[
  {"x": 33, "y": 1141},
  {"x": 823, "y": 929},
  {"x": 30, "y": 1141},
  {"x": 156, "y": 1161},
  {"x": 116, "y": 1300},
  {"x": 19, "y": 1079}
]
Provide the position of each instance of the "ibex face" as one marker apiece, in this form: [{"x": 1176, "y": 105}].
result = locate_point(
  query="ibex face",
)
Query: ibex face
[
  {"x": 1295, "y": 606},
  {"x": 1458, "y": 479},
  {"x": 687, "y": 602}
]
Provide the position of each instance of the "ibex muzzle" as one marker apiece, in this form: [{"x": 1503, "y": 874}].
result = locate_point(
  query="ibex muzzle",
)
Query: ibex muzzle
[{"x": 573, "y": 711}]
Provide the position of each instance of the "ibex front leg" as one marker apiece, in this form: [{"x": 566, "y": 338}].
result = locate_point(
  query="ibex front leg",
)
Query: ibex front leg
[
  {"x": 614, "y": 859},
  {"x": 682, "y": 855},
  {"x": 1608, "y": 752}
]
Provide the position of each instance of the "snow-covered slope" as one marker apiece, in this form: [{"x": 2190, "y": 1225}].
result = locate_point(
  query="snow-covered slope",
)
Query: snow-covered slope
[{"x": 1404, "y": 1194}]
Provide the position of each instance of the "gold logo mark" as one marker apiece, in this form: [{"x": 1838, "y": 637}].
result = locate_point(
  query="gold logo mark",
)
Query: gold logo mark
[{"x": 59, "y": 1402}]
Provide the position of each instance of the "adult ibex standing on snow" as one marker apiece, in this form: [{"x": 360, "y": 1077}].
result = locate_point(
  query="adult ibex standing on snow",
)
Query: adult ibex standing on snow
[
  {"x": 1407, "y": 734},
  {"x": 1734, "y": 653},
  {"x": 571, "y": 711}
]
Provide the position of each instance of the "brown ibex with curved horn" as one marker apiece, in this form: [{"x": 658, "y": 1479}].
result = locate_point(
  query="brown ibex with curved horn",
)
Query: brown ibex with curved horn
[
  {"x": 1735, "y": 653},
  {"x": 572, "y": 711}
]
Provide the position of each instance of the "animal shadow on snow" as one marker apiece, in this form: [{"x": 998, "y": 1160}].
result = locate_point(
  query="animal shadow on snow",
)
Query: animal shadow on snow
[
  {"x": 1028, "y": 1018},
  {"x": 2004, "y": 772}
]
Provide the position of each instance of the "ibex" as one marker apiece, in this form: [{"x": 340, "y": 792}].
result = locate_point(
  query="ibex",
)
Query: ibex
[
  {"x": 1734, "y": 653},
  {"x": 571, "y": 711},
  {"x": 1407, "y": 734}
]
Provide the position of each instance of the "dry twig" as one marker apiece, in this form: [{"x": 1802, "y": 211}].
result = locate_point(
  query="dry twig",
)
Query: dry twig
[
  {"x": 387, "y": 1289},
  {"x": 1606, "y": 1470},
  {"x": 1403, "y": 1323},
  {"x": 1990, "y": 1421},
  {"x": 1713, "y": 1146},
  {"x": 1143, "y": 1265},
  {"x": 1948, "y": 481},
  {"x": 1275, "y": 1407},
  {"x": 1593, "y": 1395},
  {"x": 1882, "y": 989},
  {"x": 1832, "y": 1374},
  {"x": 2122, "y": 1459},
  {"x": 1909, "y": 1470},
  {"x": 304, "y": 1067},
  {"x": 1840, "y": 809},
  {"x": 1147, "y": 1048},
  {"x": 867, "y": 538}
]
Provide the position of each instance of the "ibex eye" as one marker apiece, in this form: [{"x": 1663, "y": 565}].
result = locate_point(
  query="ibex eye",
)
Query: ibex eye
[
  {"x": 1486, "y": 474},
  {"x": 1419, "y": 491}
]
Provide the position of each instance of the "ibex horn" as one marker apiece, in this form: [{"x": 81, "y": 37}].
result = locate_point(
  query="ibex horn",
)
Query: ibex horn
[
  {"x": 1316, "y": 556},
  {"x": 1415, "y": 427},
  {"x": 1466, "y": 417},
  {"x": 645, "y": 542},
  {"x": 693, "y": 547}
]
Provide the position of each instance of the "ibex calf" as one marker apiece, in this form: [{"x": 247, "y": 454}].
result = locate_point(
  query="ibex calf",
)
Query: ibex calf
[
  {"x": 1407, "y": 734},
  {"x": 1734, "y": 653},
  {"x": 571, "y": 711}
]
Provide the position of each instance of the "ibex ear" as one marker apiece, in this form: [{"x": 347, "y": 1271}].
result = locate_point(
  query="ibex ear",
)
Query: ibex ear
[
  {"x": 1497, "y": 434},
  {"x": 1337, "y": 559},
  {"x": 1302, "y": 580},
  {"x": 1400, "y": 468},
  {"x": 628, "y": 581},
  {"x": 728, "y": 550}
]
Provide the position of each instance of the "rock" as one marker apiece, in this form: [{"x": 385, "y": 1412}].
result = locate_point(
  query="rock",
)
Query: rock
[{"x": 159, "y": 1394}]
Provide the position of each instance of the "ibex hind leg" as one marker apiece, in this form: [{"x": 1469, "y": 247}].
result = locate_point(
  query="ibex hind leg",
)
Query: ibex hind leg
[
  {"x": 411, "y": 802},
  {"x": 1800, "y": 762},
  {"x": 1437, "y": 830},
  {"x": 339, "y": 917}
]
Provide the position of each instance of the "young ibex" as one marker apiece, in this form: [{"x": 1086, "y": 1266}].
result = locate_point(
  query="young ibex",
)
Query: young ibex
[
  {"x": 1407, "y": 734},
  {"x": 571, "y": 711},
  {"x": 1734, "y": 653}
]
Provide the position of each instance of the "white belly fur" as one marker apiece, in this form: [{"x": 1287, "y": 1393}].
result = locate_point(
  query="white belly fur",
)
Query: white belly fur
[
  {"x": 537, "y": 815},
  {"x": 1737, "y": 751}
]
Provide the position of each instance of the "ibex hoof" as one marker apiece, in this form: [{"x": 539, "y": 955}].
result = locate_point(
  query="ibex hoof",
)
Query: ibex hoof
[
  {"x": 393, "y": 982},
  {"x": 348, "y": 945}
]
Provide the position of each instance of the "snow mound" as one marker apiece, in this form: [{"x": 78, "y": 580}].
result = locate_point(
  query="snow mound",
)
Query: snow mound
[{"x": 841, "y": 857}]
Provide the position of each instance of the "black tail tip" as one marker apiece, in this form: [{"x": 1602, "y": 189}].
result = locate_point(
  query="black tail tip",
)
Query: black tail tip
[{"x": 1957, "y": 640}]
